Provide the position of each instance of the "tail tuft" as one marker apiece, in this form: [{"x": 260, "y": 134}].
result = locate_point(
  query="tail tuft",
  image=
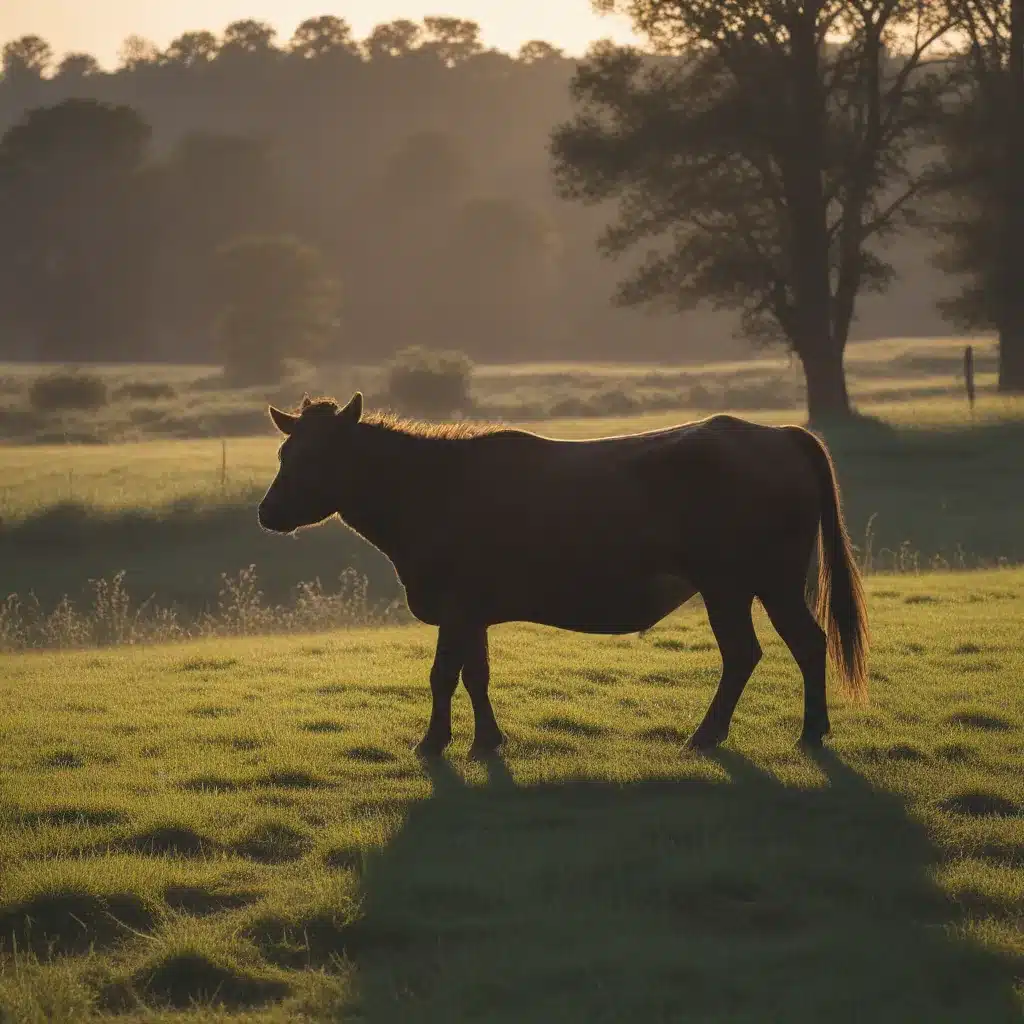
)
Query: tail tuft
[{"x": 841, "y": 604}]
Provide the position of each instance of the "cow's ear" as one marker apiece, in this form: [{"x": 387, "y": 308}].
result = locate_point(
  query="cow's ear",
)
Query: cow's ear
[
  {"x": 284, "y": 421},
  {"x": 305, "y": 403},
  {"x": 354, "y": 410}
]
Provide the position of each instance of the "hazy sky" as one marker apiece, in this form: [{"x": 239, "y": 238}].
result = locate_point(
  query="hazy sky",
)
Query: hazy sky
[{"x": 99, "y": 26}]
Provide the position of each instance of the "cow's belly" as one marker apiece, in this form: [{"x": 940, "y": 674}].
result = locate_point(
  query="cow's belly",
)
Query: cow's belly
[{"x": 595, "y": 605}]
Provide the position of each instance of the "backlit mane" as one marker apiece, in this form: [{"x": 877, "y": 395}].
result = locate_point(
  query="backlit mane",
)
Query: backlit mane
[{"x": 440, "y": 431}]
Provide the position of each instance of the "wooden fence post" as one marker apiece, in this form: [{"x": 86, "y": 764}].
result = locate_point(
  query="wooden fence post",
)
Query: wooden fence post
[{"x": 969, "y": 376}]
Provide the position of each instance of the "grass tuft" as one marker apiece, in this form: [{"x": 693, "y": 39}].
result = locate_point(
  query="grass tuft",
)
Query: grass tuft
[{"x": 273, "y": 842}]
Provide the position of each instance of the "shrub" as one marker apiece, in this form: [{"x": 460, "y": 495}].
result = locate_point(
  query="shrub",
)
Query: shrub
[
  {"x": 613, "y": 402},
  {"x": 60, "y": 391},
  {"x": 115, "y": 618},
  {"x": 422, "y": 382},
  {"x": 146, "y": 390},
  {"x": 765, "y": 393}
]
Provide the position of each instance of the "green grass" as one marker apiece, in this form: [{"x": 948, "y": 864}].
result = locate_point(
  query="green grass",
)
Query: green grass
[
  {"x": 243, "y": 822},
  {"x": 910, "y": 381},
  {"x": 930, "y": 487},
  {"x": 155, "y": 510}
]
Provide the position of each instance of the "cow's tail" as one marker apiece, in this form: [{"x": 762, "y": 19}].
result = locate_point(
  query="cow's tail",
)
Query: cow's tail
[{"x": 841, "y": 606}]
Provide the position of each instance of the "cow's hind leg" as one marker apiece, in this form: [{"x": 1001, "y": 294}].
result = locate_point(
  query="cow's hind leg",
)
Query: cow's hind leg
[
  {"x": 733, "y": 626},
  {"x": 444, "y": 678},
  {"x": 787, "y": 608},
  {"x": 476, "y": 674}
]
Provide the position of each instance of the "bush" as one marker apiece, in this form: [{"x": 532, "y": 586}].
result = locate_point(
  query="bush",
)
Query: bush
[
  {"x": 60, "y": 391},
  {"x": 764, "y": 393},
  {"x": 422, "y": 382},
  {"x": 613, "y": 402},
  {"x": 146, "y": 390}
]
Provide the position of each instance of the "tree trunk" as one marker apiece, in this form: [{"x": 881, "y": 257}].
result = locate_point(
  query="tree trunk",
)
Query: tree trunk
[
  {"x": 1011, "y": 358},
  {"x": 1011, "y": 315},
  {"x": 827, "y": 397},
  {"x": 817, "y": 344}
]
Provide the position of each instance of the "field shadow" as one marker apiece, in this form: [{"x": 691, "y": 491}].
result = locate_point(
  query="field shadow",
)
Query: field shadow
[{"x": 666, "y": 900}]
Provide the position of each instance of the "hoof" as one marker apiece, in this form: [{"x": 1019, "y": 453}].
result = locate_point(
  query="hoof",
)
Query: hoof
[
  {"x": 429, "y": 746},
  {"x": 486, "y": 747},
  {"x": 811, "y": 740},
  {"x": 705, "y": 741}
]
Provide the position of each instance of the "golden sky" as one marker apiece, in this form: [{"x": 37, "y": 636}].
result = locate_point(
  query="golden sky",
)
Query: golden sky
[{"x": 99, "y": 26}]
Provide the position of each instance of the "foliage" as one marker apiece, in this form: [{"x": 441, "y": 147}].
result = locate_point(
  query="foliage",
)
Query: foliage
[
  {"x": 757, "y": 166},
  {"x": 393, "y": 39},
  {"x": 328, "y": 183},
  {"x": 27, "y": 57},
  {"x": 212, "y": 189},
  {"x": 57, "y": 392},
  {"x": 248, "y": 36},
  {"x": 982, "y": 216},
  {"x": 277, "y": 302},
  {"x": 422, "y": 382},
  {"x": 192, "y": 49},
  {"x": 76, "y": 66},
  {"x": 74, "y": 203},
  {"x": 452, "y": 40},
  {"x": 326, "y": 35}
]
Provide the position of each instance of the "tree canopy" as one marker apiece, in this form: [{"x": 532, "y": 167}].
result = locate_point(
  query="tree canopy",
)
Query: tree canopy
[
  {"x": 982, "y": 218},
  {"x": 415, "y": 161},
  {"x": 759, "y": 158}
]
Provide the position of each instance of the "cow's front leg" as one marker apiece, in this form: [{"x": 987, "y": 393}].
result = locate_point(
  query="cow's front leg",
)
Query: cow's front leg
[{"x": 444, "y": 677}]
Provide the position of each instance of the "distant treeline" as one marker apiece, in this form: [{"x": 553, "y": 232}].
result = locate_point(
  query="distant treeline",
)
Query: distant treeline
[{"x": 415, "y": 161}]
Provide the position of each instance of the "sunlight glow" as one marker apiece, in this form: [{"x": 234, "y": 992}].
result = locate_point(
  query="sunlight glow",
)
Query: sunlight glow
[{"x": 100, "y": 27}]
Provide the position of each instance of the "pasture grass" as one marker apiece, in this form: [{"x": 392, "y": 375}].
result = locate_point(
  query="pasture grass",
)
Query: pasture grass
[
  {"x": 927, "y": 486},
  {"x": 913, "y": 496},
  {"x": 907, "y": 380},
  {"x": 238, "y": 830}
]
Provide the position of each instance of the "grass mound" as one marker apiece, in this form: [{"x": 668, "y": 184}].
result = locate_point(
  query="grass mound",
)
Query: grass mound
[
  {"x": 67, "y": 922},
  {"x": 186, "y": 979},
  {"x": 202, "y": 900},
  {"x": 169, "y": 840},
  {"x": 977, "y": 803},
  {"x": 81, "y": 816}
]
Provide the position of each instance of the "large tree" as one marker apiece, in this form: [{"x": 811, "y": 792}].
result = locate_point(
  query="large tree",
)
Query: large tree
[
  {"x": 759, "y": 154},
  {"x": 453, "y": 40},
  {"x": 984, "y": 214},
  {"x": 393, "y": 39},
  {"x": 323, "y": 36},
  {"x": 192, "y": 50},
  {"x": 29, "y": 56},
  {"x": 213, "y": 188},
  {"x": 75, "y": 204},
  {"x": 276, "y": 302},
  {"x": 24, "y": 64}
]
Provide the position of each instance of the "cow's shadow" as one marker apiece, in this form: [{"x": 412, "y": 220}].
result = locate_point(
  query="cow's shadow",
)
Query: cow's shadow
[{"x": 666, "y": 900}]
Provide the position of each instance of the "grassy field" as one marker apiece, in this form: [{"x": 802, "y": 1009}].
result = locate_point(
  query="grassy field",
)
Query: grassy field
[
  {"x": 244, "y": 823},
  {"x": 909, "y": 380},
  {"x": 171, "y": 502},
  {"x": 938, "y": 486}
]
